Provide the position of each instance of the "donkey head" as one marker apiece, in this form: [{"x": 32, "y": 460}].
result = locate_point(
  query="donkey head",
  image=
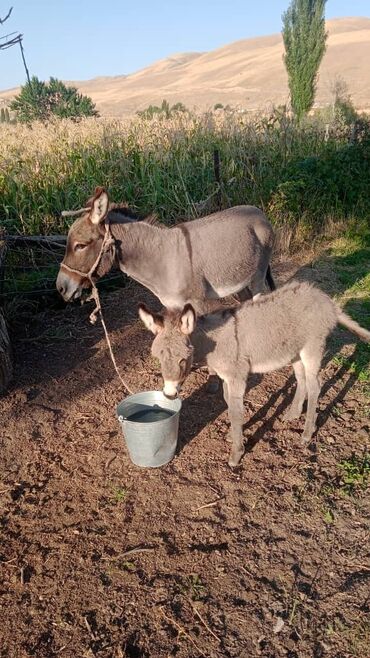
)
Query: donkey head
[
  {"x": 171, "y": 345},
  {"x": 84, "y": 242}
]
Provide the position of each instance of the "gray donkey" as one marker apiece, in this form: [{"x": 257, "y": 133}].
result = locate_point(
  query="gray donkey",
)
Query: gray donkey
[
  {"x": 199, "y": 261},
  {"x": 288, "y": 326}
]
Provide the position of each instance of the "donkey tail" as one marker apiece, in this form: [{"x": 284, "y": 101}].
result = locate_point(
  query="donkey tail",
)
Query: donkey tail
[
  {"x": 269, "y": 279},
  {"x": 353, "y": 326}
]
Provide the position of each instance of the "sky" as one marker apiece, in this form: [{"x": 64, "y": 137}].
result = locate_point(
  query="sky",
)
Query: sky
[{"x": 83, "y": 39}]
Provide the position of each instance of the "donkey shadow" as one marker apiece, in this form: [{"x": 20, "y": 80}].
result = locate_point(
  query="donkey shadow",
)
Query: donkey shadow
[
  {"x": 287, "y": 392},
  {"x": 198, "y": 410}
]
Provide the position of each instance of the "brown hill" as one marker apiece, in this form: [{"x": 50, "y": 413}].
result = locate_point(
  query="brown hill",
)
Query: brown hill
[{"x": 249, "y": 73}]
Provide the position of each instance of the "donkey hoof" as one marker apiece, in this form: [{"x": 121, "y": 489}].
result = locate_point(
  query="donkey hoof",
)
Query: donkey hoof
[
  {"x": 235, "y": 458},
  {"x": 213, "y": 384},
  {"x": 306, "y": 438}
]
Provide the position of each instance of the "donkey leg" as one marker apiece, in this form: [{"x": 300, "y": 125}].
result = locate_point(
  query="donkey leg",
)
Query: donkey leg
[
  {"x": 226, "y": 398},
  {"x": 226, "y": 392},
  {"x": 213, "y": 383},
  {"x": 235, "y": 393},
  {"x": 311, "y": 360},
  {"x": 211, "y": 306},
  {"x": 244, "y": 294},
  {"x": 269, "y": 279},
  {"x": 257, "y": 283},
  {"x": 296, "y": 407}
]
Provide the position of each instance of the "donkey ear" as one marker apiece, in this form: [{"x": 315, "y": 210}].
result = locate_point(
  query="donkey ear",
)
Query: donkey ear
[
  {"x": 188, "y": 319},
  {"x": 99, "y": 206},
  {"x": 152, "y": 321}
]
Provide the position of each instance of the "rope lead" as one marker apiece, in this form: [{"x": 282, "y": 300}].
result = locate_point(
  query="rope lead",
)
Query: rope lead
[{"x": 106, "y": 244}]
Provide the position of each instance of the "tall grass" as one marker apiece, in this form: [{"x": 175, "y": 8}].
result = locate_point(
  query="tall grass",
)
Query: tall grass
[{"x": 298, "y": 175}]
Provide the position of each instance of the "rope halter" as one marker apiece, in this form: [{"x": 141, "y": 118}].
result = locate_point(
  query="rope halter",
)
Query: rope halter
[{"x": 108, "y": 242}]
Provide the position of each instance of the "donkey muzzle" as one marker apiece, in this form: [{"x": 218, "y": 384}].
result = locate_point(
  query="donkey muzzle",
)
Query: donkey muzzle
[
  {"x": 67, "y": 287},
  {"x": 171, "y": 390},
  {"x": 170, "y": 397}
]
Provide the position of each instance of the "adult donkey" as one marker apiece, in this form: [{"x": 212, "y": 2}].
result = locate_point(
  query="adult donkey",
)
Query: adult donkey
[{"x": 197, "y": 262}]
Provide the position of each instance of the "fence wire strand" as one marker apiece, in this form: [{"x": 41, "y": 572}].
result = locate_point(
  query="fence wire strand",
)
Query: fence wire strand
[{"x": 30, "y": 269}]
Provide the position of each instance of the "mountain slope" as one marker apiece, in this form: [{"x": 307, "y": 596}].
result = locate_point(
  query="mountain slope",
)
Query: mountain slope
[{"x": 249, "y": 73}]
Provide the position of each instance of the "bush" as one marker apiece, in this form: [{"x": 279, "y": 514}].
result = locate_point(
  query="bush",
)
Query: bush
[
  {"x": 343, "y": 107},
  {"x": 40, "y": 100},
  {"x": 162, "y": 111},
  {"x": 335, "y": 183}
]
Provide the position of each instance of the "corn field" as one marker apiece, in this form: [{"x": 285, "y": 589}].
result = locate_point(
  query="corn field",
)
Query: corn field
[{"x": 300, "y": 175}]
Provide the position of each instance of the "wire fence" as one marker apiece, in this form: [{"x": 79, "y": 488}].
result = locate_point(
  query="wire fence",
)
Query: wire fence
[{"x": 29, "y": 266}]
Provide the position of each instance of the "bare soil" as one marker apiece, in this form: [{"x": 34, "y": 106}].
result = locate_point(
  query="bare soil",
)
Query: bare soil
[{"x": 101, "y": 558}]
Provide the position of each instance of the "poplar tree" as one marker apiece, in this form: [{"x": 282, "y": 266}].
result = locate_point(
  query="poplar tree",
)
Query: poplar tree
[{"x": 304, "y": 39}]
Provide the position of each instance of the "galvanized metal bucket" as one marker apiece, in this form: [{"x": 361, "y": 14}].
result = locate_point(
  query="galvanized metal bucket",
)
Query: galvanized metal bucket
[{"x": 150, "y": 424}]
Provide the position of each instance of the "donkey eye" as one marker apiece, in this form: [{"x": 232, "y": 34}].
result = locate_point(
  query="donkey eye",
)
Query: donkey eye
[{"x": 79, "y": 246}]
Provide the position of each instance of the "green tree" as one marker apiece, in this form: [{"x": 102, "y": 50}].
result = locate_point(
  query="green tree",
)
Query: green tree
[
  {"x": 305, "y": 43},
  {"x": 42, "y": 100},
  {"x": 164, "y": 110},
  {"x": 343, "y": 106},
  {"x": 178, "y": 107}
]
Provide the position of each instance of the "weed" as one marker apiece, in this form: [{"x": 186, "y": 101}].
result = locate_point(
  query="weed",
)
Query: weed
[
  {"x": 359, "y": 366},
  {"x": 119, "y": 494},
  {"x": 336, "y": 410},
  {"x": 356, "y": 636},
  {"x": 353, "y": 476},
  {"x": 348, "y": 260},
  {"x": 327, "y": 490},
  {"x": 355, "y": 473},
  {"x": 328, "y": 516},
  {"x": 126, "y": 565},
  {"x": 194, "y": 587},
  {"x": 293, "y": 611}
]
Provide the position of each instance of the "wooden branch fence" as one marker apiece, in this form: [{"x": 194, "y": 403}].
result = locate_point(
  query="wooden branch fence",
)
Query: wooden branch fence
[
  {"x": 28, "y": 270},
  {"x": 6, "y": 361}
]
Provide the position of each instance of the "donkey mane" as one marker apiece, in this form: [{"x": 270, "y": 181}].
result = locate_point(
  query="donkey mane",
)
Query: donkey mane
[{"x": 125, "y": 211}]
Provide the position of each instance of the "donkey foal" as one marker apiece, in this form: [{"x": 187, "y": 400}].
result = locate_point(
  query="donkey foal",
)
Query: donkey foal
[{"x": 288, "y": 326}]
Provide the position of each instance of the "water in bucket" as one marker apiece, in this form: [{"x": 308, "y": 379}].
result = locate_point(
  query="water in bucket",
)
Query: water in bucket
[{"x": 150, "y": 415}]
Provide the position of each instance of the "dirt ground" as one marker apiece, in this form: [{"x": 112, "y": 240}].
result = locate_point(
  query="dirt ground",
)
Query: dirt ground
[{"x": 101, "y": 558}]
